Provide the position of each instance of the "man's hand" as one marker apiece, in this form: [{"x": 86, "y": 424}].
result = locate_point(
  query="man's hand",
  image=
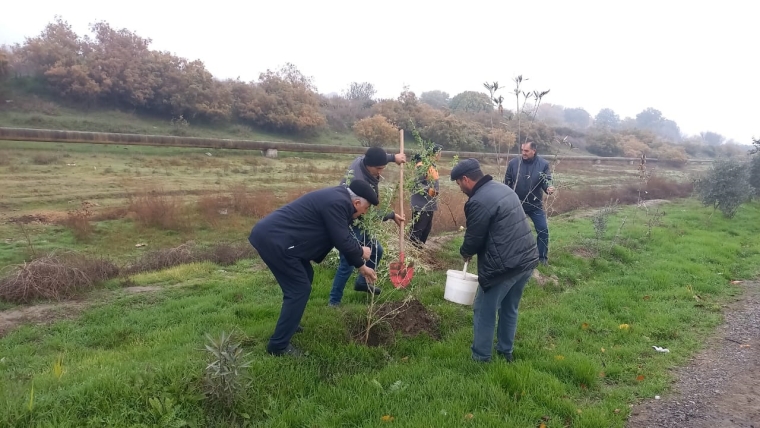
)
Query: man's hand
[
  {"x": 399, "y": 158},
  {"x": 366, "y": 252},
  {"x": 368, "y": 273},
  {"x": 550, "y": 190},
  {"x": 399, "y": 219},
  {"x": 467, "y": 259}
]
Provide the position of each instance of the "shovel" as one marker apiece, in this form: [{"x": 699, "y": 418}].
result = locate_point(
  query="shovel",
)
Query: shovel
[{"x": 401, "y": 274}]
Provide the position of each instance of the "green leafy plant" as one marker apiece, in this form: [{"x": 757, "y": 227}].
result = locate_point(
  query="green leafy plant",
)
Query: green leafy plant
[
  {"x": 225, "y": 373},
  {"x": 725, "y": 187}
]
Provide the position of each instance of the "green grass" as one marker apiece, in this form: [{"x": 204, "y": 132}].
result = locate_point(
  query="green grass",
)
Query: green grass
[{"x": 575, "y": 364}]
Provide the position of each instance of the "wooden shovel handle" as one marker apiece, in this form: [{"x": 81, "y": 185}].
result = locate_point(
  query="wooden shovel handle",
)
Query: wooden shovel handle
[{"x": 401, "y": 197}]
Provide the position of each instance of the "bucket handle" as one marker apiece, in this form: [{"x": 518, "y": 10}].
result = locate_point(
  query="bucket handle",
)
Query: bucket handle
[{"x": 464, "y": 271}]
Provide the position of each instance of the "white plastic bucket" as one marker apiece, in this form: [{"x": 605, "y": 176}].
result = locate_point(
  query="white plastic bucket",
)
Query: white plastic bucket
[{"x": 460, "y": 287}]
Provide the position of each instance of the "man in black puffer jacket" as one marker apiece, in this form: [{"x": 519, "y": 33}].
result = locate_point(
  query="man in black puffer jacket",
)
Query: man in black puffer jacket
[{"x": 499, "y": 233}]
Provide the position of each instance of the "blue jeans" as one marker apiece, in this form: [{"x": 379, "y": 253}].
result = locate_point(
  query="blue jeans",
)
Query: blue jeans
[
  {"x": 345, "y": 269},
  {"x": 538, "y": 216},
  {"x": 504, "y": 298}
]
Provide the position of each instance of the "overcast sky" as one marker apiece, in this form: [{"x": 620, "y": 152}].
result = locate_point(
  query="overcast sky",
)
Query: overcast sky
[{"x": 692, "y": 60}]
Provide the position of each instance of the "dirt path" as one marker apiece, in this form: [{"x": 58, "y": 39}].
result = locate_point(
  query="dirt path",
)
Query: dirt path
[{"x": 721, "y": 385}]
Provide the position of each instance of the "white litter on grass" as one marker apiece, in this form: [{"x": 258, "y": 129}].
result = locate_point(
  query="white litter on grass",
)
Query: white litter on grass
[
  {"x": 658, "y": 349},
  {"x": 656, "y": 397}
]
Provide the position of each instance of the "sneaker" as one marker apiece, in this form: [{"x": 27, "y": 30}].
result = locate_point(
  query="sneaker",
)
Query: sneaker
[
  {"x": 289, "y": 350},
  {"x": 367, "y": 288},
  {"x": 299, "y": 328},
  {"x": 506, "y": 355}
]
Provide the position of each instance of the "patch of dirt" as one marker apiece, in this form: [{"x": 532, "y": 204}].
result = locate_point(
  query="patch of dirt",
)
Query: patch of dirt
[
  {"x": 430, "y": 253},
  {"x": 586, "y": 213},
  {"x": 141, "y": 289},
  {"x": 720, "y": 387},
  {"x": 543, "y": 279},
  {"x": 48, "y": 313},
  {"x": 409, "y": 318},
  {"x": 28, "y": 218},
  {"x": 583, "y": 252},
  {"x": 39, "y": 314}
]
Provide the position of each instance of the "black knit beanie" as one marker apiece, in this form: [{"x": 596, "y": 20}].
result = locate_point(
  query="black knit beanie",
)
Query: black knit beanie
[{"x": 375, "y": 156}]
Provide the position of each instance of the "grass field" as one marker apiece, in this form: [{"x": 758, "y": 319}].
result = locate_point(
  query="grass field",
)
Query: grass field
[{"x": 130, "y": 352}]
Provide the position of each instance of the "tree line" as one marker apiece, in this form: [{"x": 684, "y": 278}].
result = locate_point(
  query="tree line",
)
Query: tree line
[{"x": 117, "y": 68}]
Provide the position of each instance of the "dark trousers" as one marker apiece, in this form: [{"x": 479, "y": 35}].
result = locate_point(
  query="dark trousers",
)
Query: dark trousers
[
  {"x": 538, "y": 216},
  {"x": 294, "y": 277},
  {"x": 422, "y": 223}
]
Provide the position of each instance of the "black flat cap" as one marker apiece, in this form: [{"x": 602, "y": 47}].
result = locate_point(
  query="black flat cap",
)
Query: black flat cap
[
  {"x": 363, "y": 189},
  {"x": 464, "y": 167}
]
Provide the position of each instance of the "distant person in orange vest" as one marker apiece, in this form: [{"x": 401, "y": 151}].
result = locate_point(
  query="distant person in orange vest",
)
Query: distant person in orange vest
[{"x": 424, "y": 199}]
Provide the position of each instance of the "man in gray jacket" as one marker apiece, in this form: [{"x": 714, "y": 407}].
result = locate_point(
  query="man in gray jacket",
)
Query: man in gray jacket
[
  {"x": 499, "y": 233},
  {"x": 367, "y": 168},
  {"x": 530, "y": 177}
]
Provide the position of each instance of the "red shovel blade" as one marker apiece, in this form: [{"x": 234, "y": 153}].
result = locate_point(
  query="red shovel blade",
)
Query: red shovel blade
[{"x": 401, "y": 274}]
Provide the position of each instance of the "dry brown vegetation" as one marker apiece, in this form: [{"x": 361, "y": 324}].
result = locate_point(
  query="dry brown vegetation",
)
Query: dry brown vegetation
[
  {"x": 593, "y": 197},
  {"x": 45, "y": 158},
  {"x": 78, "y": 221},
  {"x": 224, "y": 254},
  {"x": 54, "y": 277},
  {"x": 62, "y": 276},
  {"x": 158, "y": 209}
]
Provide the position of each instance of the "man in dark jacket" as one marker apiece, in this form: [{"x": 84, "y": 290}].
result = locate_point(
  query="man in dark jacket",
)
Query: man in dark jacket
[
  {"x": 499, "y": 233},
  {"x": 366, "y": 168},
  {"x": 530, "y": 177},
  {"x": 302, "y": 231}
]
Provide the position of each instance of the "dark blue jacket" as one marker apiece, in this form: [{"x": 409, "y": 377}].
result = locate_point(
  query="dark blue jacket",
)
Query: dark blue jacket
[
  {"x": 309, "y": 227},
  {"x": 535, "y": 178}
]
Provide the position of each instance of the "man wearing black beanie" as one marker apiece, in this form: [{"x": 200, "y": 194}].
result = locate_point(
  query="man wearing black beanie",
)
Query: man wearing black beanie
[{"x": 368, "y": 168}]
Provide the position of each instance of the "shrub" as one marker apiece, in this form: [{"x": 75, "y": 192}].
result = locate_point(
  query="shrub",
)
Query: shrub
[
  {"x": 156, "y": 209},
  {"x": 726, "y": 186},
  {"x": 44, "y": 158},
  {"x": 754, "y": 173},
  {"x": 79, "y": 221},
  {"x": 604, "y": 144},
  {"x": 224, "y": 374},
  {"x": 55, "y": 277}
]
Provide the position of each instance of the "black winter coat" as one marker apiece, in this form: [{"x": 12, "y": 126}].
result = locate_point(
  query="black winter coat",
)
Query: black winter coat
[{"x": 498, "y": 232}]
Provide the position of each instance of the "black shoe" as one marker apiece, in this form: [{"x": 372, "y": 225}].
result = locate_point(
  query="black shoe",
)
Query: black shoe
[
  {"x": 299, "y": 329},
  {"x": 367, "y": 288},
  {"x": 506, "y": 355},
  {"x": 544, "y": 262},
  {"x": 289, "y": 350}
]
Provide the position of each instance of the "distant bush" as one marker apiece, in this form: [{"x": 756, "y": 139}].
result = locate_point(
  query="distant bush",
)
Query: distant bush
[
  {"x": 726, "y": 186},
  {"x": 604, "y": 144},
  {"x": 45, "y": 158}
]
